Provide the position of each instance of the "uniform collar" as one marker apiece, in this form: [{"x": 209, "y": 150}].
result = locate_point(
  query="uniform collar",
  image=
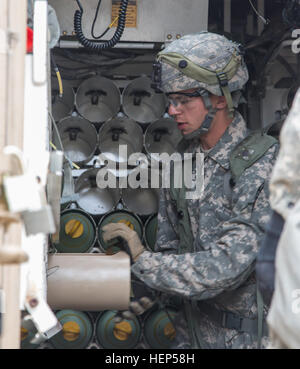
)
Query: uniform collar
[{"x": 233, "y": 135}]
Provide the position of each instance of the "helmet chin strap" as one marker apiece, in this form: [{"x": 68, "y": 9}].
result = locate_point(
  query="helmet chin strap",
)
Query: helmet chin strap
[{"x": 206, "y": 124}]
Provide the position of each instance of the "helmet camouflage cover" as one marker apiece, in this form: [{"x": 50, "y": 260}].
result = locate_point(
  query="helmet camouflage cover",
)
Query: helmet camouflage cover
[{"x": 203, "y": 60}]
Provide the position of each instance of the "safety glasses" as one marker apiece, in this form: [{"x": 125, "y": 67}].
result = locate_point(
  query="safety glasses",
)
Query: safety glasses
[{"x": 183, "y": 98}]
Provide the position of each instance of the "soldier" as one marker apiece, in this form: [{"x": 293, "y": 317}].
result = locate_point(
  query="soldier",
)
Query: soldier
[
  {"x": 206, "y": 247},
  {"x": 283, "y": 318}
]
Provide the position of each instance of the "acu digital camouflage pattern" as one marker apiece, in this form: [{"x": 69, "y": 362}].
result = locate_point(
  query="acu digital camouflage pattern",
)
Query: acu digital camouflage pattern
[
  {"x": 208, "y": 50},
  {"x": 227, "y": 231},
  {"x": 285, "y": 181}
]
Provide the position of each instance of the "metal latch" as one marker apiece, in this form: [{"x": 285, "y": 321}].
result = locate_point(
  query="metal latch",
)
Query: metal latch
[
  {"x": 6, "y": 39},
  {"x": 39, "y": 221},
  {"x": 68, "y": 194},
  {"x": 41, "y": 319},
  {"x": 25, "y": 195},
  {"x": 22, "y": 193}
]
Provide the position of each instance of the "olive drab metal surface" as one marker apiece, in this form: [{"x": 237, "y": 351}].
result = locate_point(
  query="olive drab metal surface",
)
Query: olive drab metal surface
[
  {"x": 123, "y": 335},
  {"x": 159, "y": 331},
  {"x": 26, "y": 336},
  {"x": 77, "y": 232},
  {"x": 77, "y": 330},
  {"x": 151, "y": 231}
]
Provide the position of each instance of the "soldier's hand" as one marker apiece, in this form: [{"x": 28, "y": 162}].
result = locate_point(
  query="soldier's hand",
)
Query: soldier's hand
[
  {"x": 143, "y": 298},
  {"x": 136, "y": 308},
  {"x": 114, "y": 230}
]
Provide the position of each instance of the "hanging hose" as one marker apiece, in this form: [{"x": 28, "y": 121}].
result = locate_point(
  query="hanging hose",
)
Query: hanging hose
[
  {"x": 104, "y": 44},
  {"x": 57, "y": 72}
]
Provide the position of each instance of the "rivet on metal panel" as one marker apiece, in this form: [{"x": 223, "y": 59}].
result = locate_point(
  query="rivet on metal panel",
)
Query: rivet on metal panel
[
  {"x": 169, "y": 36},
  {"x": 33, "y": 302},
  {"x": 178, "y": 36}
]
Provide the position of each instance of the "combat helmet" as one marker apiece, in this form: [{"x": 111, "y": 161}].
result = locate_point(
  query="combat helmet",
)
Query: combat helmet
[{"x": 206, "y": 61}]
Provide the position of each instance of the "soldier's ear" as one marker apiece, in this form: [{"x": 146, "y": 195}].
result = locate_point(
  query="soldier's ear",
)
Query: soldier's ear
[{"x": 221, "y": 102}]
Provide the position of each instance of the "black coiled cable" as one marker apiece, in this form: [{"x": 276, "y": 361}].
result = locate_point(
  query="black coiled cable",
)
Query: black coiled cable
[{"x": 104, "y": 44}]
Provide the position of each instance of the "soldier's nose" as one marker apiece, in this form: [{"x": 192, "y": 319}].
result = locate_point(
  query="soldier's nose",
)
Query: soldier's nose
[{"x": 173, "y": 110}]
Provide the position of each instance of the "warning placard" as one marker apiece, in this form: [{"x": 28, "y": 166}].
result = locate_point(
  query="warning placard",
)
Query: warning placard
[{"x": 131, "y": 13}]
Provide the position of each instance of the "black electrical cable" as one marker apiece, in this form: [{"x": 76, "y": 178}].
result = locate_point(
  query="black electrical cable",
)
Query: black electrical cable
[
  {"x": 104, "y": 33},
  {"x": 104, "y": 44},
  {"x": 94, "y": 22}
]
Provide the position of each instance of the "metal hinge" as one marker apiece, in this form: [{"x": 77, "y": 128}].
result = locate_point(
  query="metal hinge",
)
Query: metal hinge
[
  {"x": 40, "y": 320},
  {"x": 6, "y": 38},
  {"x": 23, "y": 194}
]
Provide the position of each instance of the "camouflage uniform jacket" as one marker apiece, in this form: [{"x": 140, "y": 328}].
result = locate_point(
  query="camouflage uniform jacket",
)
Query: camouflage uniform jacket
[
  {"x": 227, "y": 231},
  {"x": 285, "y": 180}
]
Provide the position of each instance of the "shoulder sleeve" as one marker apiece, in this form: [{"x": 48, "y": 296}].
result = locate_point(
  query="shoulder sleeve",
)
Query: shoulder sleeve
[
  {"x": 230, "y": 258},
  {"x": 167, "y": 237}
]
